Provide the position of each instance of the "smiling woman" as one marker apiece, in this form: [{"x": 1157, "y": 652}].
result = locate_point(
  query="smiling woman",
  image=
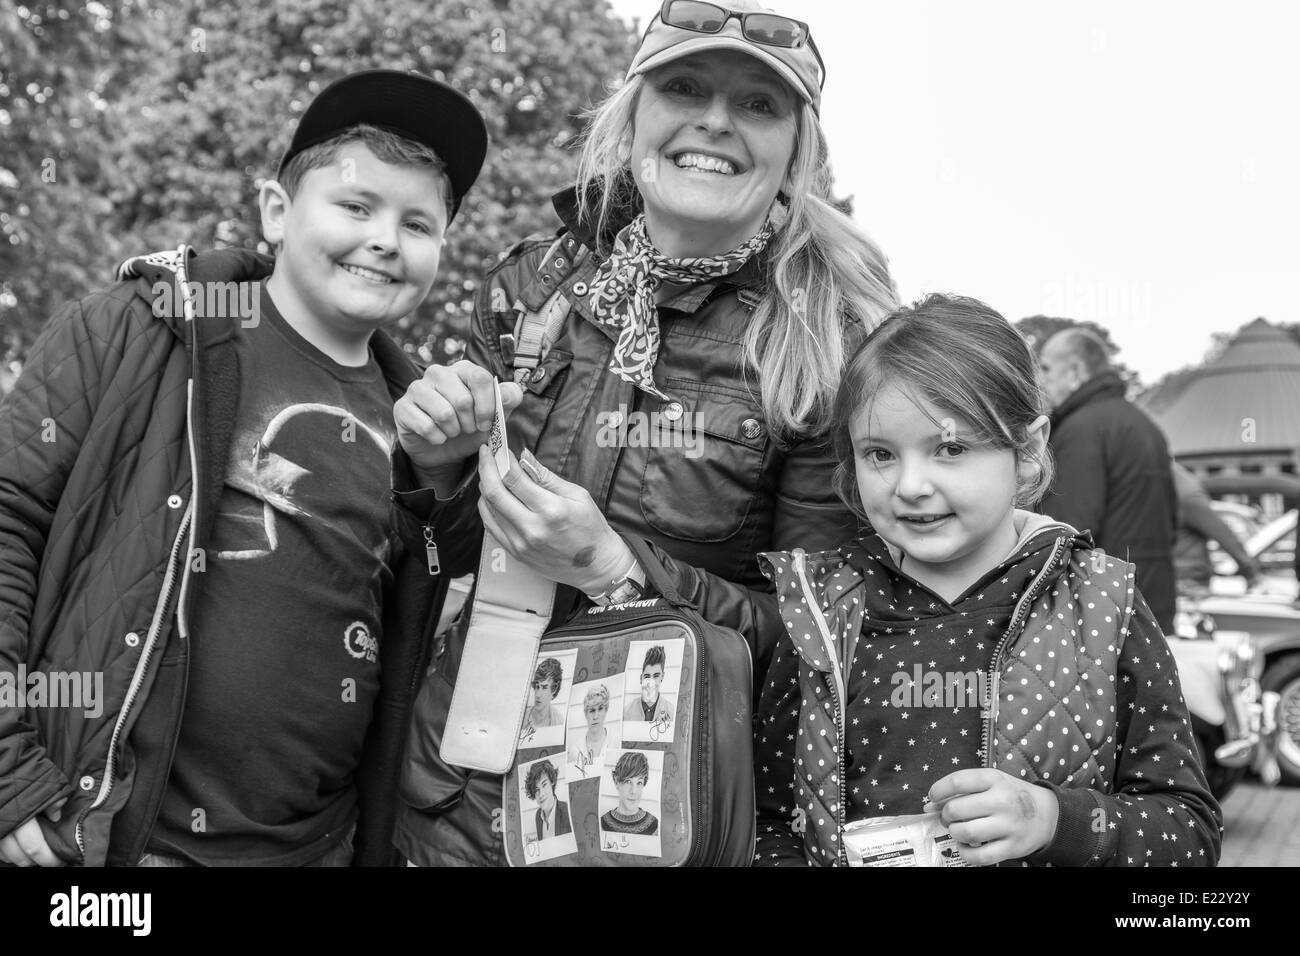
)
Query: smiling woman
[
  {"x": 704, "y": 191},
  {"x": 703, "y": 276}
]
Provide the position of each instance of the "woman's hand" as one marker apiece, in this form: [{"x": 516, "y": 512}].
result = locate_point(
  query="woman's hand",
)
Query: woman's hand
[
  {"x": 446, "y": 415},
  {"x": 994, "y": 815},
  {"x": 550, "y": 524}
]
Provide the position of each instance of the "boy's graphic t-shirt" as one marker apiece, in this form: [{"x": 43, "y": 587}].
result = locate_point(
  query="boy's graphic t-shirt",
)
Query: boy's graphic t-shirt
[{"x": 286, "y": 629}]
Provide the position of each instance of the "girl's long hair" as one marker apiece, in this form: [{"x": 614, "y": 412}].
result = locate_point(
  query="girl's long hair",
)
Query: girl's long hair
[{"x": 828, "y": 283}]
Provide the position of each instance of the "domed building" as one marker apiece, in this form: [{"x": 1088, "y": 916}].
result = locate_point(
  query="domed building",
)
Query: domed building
[{"x": 1236, "y": 424}]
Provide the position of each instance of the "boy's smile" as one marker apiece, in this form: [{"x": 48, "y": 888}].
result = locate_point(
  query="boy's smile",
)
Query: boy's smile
[{"x": 362, "y": 239}]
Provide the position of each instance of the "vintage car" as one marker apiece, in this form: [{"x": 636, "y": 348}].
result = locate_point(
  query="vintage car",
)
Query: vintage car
[
  {"x": 1270, "y": 614},
  {"x": 1273, "y": 624}
]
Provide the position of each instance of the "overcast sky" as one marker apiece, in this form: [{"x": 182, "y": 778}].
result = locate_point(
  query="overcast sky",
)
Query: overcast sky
[{"x": 1136, "y": 163}]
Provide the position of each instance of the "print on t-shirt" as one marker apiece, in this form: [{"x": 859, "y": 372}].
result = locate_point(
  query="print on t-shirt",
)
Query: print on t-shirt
[{"x": 291, "y": 470}]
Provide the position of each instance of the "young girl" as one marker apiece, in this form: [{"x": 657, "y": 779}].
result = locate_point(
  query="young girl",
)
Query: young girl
[{"x": 968, "y": 657}]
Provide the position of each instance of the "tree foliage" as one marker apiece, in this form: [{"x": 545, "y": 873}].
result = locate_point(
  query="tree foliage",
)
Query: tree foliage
[
  {"x": 60, "y": 64},
  {"x": 185, "y": 108}
]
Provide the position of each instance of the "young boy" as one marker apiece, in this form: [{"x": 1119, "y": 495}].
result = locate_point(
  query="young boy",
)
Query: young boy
[{"x": 194, "y": 472}]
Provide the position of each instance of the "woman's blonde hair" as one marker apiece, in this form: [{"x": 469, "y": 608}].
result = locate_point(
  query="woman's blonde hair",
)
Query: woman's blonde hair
[{"x": 829, "y": 283}]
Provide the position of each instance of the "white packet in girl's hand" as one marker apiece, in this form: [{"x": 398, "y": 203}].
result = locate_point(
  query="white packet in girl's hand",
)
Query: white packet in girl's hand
[{"x": 913, "y": 840}]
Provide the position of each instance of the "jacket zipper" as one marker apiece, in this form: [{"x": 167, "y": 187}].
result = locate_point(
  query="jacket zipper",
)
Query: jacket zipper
[
  {"x": 137, "y": 678},
  {"x": 1017, "y": 621},
  {"x": 431, "y": 551},
  {"x": 838, "y": 687}
]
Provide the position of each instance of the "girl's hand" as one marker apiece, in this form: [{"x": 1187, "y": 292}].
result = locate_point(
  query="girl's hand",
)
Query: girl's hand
[
  {"x": 994, "y": 815},
  {"x": 550, "y": 524}
]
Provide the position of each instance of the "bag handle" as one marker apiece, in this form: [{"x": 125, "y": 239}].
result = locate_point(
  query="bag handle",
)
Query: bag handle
[{"x": 657, "y": 574}]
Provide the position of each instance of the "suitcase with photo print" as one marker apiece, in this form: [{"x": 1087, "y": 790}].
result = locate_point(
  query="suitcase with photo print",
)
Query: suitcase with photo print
[{"x": 636, "y": 743}]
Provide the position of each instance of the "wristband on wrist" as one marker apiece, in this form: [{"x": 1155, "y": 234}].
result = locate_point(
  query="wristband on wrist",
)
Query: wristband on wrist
[{"x": 629, "y": 586}]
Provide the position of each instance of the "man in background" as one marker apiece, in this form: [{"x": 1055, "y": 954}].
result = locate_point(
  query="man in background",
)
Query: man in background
[{"x": 1113, "y": 474}]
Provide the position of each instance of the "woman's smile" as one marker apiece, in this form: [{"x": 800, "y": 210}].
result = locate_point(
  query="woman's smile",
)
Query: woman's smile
[
  {"x": 713, "y": 139},
  {"x": 693, "y": 160}
]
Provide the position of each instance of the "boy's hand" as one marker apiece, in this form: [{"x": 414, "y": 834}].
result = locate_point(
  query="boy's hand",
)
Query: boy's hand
[
  {"x": 994, "y": 815},
  {"x": 26, "y": 846},
  {"x": 446, "y": 415},
  {"x": 551, "y": 525}
]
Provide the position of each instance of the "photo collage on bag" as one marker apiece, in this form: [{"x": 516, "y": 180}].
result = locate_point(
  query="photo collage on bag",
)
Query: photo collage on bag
[
  {"x": 630, "y": 789},
  {"x": 548, "y": 701},
  {"x": 544, "y": 811},
  {"x": 599, "y": 723},
  {"x": 543, "y": 792},
  {"x": 595, "y": 725},
  {"x": 653, "y": 674}
]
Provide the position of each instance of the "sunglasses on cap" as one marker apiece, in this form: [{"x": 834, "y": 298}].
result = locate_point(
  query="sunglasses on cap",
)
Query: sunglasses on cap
[{"x": 769, "y": 29}]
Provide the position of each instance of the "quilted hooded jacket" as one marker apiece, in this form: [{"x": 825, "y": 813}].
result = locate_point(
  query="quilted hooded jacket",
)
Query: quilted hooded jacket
[
  {"x": 112, "y": 446},
  {"x": 1095, "y": 714}
]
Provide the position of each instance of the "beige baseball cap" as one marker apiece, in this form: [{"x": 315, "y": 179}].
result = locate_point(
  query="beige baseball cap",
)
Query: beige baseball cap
[{"x": 800, "y": 66}]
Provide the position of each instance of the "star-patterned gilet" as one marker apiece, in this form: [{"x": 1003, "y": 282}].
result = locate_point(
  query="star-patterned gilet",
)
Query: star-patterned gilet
[{"x": 1050, "y": 697}]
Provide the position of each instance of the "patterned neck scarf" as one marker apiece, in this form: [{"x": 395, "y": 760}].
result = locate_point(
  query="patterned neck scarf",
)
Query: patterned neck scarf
[{"x": 623, "y": 294}]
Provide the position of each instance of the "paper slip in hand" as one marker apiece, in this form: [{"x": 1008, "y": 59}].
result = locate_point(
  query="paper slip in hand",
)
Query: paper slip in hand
[
  {"x": 497, "y": 436},
  {"x": 913, "y": 840}
]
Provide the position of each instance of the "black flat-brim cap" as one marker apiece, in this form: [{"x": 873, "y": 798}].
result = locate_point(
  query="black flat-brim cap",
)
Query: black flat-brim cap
[{"x": 411, "y": 105}]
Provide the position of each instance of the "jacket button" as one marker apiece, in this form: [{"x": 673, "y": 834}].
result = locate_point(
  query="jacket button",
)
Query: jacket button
[
  {"x": 87, "y": 783},
  {"x": 615, "y": 419},
  {"x": 559, "y": 263},
  {"x": 174, "y": 502},
  {"x": 132, "y": 639},
  {"x": 580, "y": 288},
  {"x": 751, "y": 428},
  {"x": 673, "y": 411},
  {"x": 539, "y": 374}
]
